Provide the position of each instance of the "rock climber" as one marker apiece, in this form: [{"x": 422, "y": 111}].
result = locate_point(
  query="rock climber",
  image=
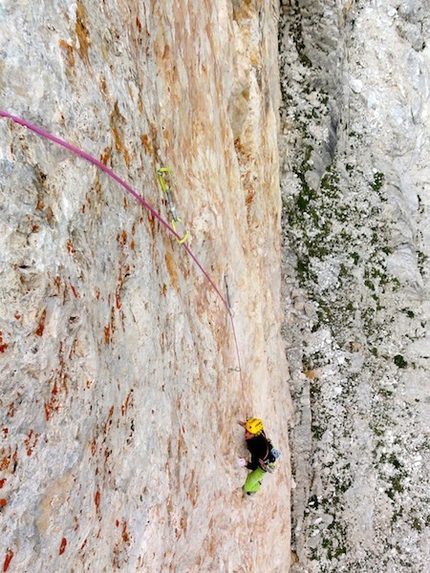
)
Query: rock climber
[{"x": 263, "y": 454}]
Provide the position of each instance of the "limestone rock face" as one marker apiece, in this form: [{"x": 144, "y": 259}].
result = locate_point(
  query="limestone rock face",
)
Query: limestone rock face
[
  {"x": 119, "y": 382},
  {"x": 356, "y": 132}
]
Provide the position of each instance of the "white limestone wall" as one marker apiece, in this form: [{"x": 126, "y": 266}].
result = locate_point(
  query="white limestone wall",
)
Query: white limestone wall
[
  {"x": 356, "y": 135},
  {"x": 119, "y": 390}
]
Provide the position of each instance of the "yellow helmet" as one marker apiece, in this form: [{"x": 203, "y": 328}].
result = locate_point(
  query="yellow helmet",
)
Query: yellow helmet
[{"x": 254, "y": 426}]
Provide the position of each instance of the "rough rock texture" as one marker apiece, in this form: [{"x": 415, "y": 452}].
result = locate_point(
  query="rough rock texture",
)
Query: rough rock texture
[
  {"x": 119, "y": 389},
  {"x": 355, "y": 179}
]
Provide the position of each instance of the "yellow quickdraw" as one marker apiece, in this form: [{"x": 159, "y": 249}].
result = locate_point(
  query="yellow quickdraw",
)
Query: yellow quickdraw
[{"x": 177, "y": 223}]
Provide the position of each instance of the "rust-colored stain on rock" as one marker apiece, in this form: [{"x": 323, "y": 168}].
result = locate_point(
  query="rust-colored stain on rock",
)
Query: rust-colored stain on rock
[
  {"x": 117, "y": 122},
  {"x": 82, "y": 32},
  {"x": 69, "y": 53},
  {"x": 63, "y": 546}
]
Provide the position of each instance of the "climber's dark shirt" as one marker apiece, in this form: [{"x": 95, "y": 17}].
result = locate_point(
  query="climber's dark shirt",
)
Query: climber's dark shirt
[{"x": 259, "y": 449}]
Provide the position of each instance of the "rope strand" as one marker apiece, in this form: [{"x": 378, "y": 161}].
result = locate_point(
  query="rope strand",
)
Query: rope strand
[{"x": 126, "y": 186}]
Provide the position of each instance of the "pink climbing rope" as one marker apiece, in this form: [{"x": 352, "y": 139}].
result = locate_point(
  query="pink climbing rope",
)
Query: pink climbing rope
[{"x": 126, "y": 186}]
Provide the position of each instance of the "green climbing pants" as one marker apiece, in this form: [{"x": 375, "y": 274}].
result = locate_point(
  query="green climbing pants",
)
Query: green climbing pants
[{"x": 252, "y": 483}]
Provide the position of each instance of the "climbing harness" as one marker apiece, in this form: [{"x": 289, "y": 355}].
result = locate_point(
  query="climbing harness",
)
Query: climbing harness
[
  {"x": 272, "y": 454},
  {"x": 181, "y": 238},
  {"x": 176, "y": 222}
]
